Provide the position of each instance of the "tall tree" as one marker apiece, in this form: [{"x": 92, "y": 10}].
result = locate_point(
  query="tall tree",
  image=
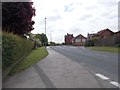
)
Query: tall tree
[
  {"x": 43, "y": 38},
  {"x": 17, "y": 17}
]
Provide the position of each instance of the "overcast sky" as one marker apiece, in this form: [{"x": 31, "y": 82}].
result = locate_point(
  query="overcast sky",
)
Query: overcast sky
[{"x": 74, "y": 17}]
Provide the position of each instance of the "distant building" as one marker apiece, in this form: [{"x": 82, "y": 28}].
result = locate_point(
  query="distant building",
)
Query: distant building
[
  {"x": 101, "y": 34},
  {"x": 79, "y": 40},
  {"x": 117, "y": 33},
  {"x": 104, "y": 37},
  {"x": 90, "y": 36},
  {"x": 105, "y": 33},
  {"x": 69, "y": 39},
  {"x": 117, "y": 38}
]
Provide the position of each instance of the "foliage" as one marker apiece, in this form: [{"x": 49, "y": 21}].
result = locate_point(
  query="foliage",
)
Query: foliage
[
  {"x": 35, "y": 56},
  {"x": 52, "y": 44},
  {"x": 95, "y": 39},
  {"x": 13, "y": 48},
  {"x": 63, "y": 43},
  {"x": 16, "y": 17},
  {"x": 89, "y": 43},
  {"x": 117, "y": 45},
  {"x": 38, "y": 36},
  {"x": 43, "y": 39}
]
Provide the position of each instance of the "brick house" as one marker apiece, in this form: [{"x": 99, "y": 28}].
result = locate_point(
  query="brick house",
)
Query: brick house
[
  {"x": 103, "y": 38},
  {"x": 101, "y": 34},
  {"x": 90, "y": 36},
  {"x": 79, "y": 40},
  {"x": 117, "y": 33},
  {"x": 68, "y": 39},
  {"x": 105, "y": 33},
  {"x": 117, "y": 38}
]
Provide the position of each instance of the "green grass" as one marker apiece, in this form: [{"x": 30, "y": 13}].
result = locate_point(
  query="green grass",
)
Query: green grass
[
  {"x": 107, "y": 49},
  {"x": 35, "y": 56}
]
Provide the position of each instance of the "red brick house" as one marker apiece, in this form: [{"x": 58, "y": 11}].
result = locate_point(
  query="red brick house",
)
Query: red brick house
[
  {"x": 117, "y": 33},
  {"x": 79, "y": 40},
  {"x": 117, "y": 38},
  {"x": 105, "y": 33},
  {"x": 68, "y": 39},
  {"x": 103, "y": 38}
]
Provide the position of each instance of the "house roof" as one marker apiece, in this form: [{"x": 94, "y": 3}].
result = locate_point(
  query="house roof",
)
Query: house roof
[
  {"x": 102, "y": 31},
  {"x": 80, "y": 36},
  {"x": 69, "y": 35},
  {"x": 91, "y": 35},
  {"x": 117, "y": 32}
]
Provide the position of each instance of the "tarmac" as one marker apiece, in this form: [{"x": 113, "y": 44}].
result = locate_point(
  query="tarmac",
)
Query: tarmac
[{"x": 54, "y": 71}]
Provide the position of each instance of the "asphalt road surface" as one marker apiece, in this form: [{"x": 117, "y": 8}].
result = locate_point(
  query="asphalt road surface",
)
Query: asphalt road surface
[{"x": 101, "y": 63}]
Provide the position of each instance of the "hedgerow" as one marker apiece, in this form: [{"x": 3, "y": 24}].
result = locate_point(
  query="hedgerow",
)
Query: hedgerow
[{"x": 14, "y": 48}]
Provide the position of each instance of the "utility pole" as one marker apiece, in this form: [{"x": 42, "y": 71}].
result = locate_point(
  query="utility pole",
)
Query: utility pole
[
  {"x": 51, "y": 37},
  {"x": 45, "y": 26},
  {"x": 45, "y": 29}
]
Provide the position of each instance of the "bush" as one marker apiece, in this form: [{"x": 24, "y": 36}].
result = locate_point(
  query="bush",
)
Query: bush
[
  {"x": 89, "y": 43},
  {"x": 14, "y": 48},
  {"x": 117, "y": 45}
]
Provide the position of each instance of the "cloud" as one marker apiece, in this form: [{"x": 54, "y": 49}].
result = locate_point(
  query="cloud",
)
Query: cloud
[
  {"x": 86, "y": 17},
  {"x": 75, "y": 17},
  {"x": 53, "y": 18},
  {"x": 68, "y": 8},
  {"x": 92, "y": 7}
]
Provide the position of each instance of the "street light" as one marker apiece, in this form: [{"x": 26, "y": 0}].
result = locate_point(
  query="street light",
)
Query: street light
[
  {"x": 51, "y": 37},
  {"x": 45, "y": 29},
  {"x": 45, "y": 26}
]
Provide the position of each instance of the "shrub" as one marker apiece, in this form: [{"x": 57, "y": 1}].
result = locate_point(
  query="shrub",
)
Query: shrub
[
  {"x": 117, "y": 45},
  {"x": 89, "y": 43},
  {"x": 13, "y": 48}
]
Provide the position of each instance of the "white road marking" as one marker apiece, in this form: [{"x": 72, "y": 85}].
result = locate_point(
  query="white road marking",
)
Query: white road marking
[
  {"x": 102, "y": 76},
  {"x": 115, "y": 83}
]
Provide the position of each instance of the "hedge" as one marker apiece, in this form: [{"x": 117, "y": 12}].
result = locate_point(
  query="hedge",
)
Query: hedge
[{"x": 14, "y": 48}]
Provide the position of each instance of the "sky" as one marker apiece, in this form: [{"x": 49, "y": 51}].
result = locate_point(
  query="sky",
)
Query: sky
[{"x": 74, "y": 17}]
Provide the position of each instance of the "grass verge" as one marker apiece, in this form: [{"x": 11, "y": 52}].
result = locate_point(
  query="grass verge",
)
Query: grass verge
[
  {"x": 108, "y": 49},
  {"x": 35, "y": 56}
]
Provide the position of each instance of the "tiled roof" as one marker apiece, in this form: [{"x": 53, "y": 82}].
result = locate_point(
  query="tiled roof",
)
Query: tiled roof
[
  {"x": 80, "y": 36},
  {"x": 102, "y": 31}
]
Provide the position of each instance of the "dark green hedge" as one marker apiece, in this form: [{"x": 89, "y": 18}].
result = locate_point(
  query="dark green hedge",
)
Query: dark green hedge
[{"x": 14, "y": 48}]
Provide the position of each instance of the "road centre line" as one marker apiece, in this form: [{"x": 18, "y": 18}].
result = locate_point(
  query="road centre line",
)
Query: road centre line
[
  {"x": 106, "y": 78},
  {"x": 115, "y": 83},
  {"x": 102, "y": 76}
]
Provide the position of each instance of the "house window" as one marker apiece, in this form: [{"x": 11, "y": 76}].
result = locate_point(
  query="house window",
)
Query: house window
[
  {"x": 77, "y": 40},
  {"x": 83, "y": 40}
]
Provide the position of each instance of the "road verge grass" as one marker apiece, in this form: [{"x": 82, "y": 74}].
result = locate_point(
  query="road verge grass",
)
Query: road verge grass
[
  {"x": 107, "y": 49},
  {"x": 35, "y": 56}
]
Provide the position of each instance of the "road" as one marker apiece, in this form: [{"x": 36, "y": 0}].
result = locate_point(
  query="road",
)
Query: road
[{"x": 101, "y": 63}]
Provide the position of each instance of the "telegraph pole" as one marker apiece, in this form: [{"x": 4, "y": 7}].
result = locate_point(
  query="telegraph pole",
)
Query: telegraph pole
[
  {"x": 45, "y": 29},
  {"x": 45, "y": 26},
  {"x": 51, "y": 37}
]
